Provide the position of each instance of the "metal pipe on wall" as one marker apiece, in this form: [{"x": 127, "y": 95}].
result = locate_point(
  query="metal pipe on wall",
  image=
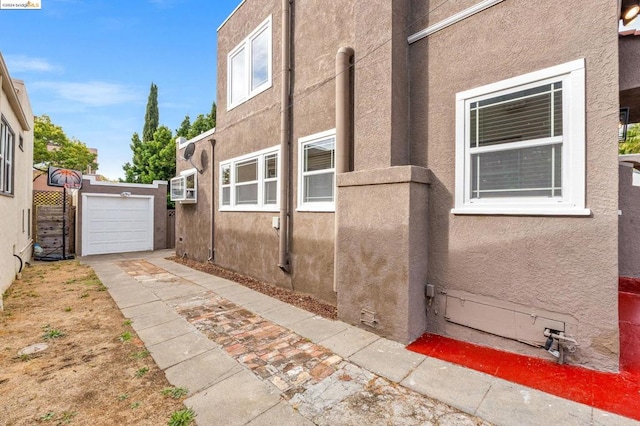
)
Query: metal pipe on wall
[
  {"x": 344, "y": 59},
  {"x": 285, "y": 152},
  {"x": 212, "y": 253}
]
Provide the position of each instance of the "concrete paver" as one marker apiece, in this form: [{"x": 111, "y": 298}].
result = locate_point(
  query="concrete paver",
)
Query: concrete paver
[
  {"x": 280, "y": 414},
  {"x": 250, "y": 359},
  {"x": 349, "y": 341},
  {"x": 174, "y": 351},
  {"x": 236, "y": 400},
  {"x": 454, "y": 385},
  {"x": 164, "y": 331},
  {"x": 317, "y": 328},
  {"x": 388, "y": 359},
  {"x": 525, "y": 405},
  {"x": 202, "y": 371}
]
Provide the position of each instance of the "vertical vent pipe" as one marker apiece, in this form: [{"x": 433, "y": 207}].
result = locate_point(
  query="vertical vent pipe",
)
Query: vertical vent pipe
[
  {"x": 285, "y": 111},
  {"x": 344, "y": 59}
]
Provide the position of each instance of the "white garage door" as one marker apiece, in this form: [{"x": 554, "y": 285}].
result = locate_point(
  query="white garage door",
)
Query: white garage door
[{"x": 115, "y": 224}]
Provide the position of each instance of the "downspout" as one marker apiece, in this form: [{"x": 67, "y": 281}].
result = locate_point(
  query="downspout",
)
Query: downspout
[
  {"x": 212, "y": 252},
  {"x": 343, "y": 134},
  {"x": 285, "y": 153}
]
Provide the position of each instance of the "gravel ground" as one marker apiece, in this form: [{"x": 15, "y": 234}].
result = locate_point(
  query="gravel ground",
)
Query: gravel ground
[{"x": 301, "y": 301}]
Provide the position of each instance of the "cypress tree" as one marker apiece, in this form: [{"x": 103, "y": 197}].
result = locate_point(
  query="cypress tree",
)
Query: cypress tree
[{"x": 152, "y": 116}]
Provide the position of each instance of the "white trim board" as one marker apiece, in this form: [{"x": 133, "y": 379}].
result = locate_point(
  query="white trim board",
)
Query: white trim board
[
  {"x": 452, "y": 20},
  {"x": 156, "y": 183}
]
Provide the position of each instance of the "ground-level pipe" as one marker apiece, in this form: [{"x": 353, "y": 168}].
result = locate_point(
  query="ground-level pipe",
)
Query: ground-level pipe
[
  {"x": 285, "y": 111},
  {"x": 344, "y": 60}
]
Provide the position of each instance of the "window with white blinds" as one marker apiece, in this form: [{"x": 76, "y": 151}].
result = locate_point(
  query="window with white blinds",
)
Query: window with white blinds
[
  {"x": 520, "y": 144},
  {"x": 316, "y": 170},
  {"x": 250, "y": 182}
]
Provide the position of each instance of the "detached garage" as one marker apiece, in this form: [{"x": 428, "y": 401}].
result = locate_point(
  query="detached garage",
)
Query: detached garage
[{"x": 121, "y": 217}]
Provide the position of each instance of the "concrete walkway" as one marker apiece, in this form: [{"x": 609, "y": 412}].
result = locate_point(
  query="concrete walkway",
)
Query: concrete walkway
[{"x": 247, "y": 358}]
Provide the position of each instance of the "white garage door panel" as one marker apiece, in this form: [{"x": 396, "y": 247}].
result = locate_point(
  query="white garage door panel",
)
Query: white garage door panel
[{"x": 114, "y": 224}]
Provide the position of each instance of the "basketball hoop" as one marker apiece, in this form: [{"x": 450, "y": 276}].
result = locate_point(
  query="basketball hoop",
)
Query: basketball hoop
[{"x": 72, "y": 185}]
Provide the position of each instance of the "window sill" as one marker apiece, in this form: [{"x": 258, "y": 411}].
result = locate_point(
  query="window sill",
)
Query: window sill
[
  {"x": 249, "y": 209},
  {"x": 317, "y": 209},
  {"x": 525, "y": 211}
]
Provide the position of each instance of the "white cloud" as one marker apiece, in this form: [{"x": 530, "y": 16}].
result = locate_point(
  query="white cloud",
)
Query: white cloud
[
  {"x": 22, "y": 63},
  {"x": 91, "y": 93}
]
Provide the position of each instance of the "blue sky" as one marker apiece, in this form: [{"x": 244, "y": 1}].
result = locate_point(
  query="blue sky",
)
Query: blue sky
[{"x": 88, "y": 64}]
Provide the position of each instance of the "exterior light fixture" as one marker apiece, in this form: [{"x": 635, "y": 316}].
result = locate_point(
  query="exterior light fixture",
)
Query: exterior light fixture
[{"x": 630, "y": 14}]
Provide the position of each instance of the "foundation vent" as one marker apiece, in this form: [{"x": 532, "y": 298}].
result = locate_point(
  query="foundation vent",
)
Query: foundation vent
[
  {"x": 502, "y": 318},
  {"x": 369, "y": 318}
]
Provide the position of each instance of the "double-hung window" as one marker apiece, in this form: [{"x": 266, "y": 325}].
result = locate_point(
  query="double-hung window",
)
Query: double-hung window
[
  {"x": 249, "y": 66},
  {"x": 520, "y": 145},
  {"x": 316, "y": 171},
  {"x": 7, "y": 142},
  {"x": 250, "y": 182}
]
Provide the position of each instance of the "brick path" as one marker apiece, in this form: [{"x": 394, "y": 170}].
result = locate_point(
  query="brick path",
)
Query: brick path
[{"x": 321, "y": 385}]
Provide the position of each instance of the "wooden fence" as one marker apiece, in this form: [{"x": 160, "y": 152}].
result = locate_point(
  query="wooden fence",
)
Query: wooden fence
[
  {"x": 48, "y": 232},
  {"x": 171, "y": 228}
]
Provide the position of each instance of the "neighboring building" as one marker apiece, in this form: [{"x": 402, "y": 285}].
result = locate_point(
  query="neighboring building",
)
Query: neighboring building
[
  {"x": 16, "y": 160},
  {"x": 458, "y": 174}
]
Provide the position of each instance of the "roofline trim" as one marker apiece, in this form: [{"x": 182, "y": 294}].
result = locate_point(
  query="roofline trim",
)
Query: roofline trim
[
  {"x": 230, "y": 15},
  {"x": 453, "y": 19},
  {"x": 10, "y": 90}
]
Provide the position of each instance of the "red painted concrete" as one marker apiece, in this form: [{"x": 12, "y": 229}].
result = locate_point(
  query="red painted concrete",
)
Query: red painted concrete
[{"x": 616, "y": 393}]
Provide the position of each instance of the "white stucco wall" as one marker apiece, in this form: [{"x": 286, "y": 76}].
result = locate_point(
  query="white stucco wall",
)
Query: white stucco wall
[{"x": 15, "y": 235}]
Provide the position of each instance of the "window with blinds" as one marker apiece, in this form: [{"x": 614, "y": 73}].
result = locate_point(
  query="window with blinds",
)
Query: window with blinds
[
  {"x": 520, "y": 144},
  {"x": 250, "y": 182},
  {"x": 317, "y": 172},
  {"x": 500, "y": 165}
]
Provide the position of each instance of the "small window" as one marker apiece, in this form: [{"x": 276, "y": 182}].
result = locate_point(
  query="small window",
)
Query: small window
[
  {"x": 250, "y": 182},
  {"x": 317, "y": 172},
  {"x": 249, "y": 66},
  {"x": 184, "y": 188},
  {"x": 520, "y": 145},
  {"x": 7, "y": 146}
]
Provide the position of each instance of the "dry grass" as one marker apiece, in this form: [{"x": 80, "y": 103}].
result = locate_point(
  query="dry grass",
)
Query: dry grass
[{"x": 89, "y": 374}]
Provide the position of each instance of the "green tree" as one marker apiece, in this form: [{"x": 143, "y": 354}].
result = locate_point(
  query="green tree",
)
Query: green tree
[
  {"x": 152, "y": 115},
  {"x": 152, "y": 160},
  {"x": 52, "y": 147},
  {"x": 632, "y": 144},
  {"x": 185, "y": 126},
  {"x": 202, "y": 123}
]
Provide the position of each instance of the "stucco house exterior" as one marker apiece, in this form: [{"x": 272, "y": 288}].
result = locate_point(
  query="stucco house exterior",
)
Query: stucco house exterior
[
  {"x": 449, "y": 167},
  {"x": 16, "y": 161}
]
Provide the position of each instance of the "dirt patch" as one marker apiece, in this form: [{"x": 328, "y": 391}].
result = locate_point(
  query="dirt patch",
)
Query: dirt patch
[
  {"x": 302, "y": 301},
  {"x": 95, "y": 369}
]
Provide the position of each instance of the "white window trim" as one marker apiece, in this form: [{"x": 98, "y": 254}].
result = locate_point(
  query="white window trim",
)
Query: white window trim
[
  {"x": 246, "y": 45},
  {"x": 261, "y": 206},
  {"x": 326, "y": 206},
  {"x": 7, "y": 152},
  {"x": 182, "y": 177},
  {"x": 572, "y": 202}
]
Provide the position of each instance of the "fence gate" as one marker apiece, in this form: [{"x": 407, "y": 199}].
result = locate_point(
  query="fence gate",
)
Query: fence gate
[
  {"x": 171, "y": 228},
  {"x": 47, "y": 223}
]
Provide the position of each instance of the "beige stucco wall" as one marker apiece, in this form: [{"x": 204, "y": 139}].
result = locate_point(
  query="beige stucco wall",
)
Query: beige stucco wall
[
  {"x": 629, "y": 224},
  {"x": 193, "y": 221},
  {"x": 158, "y": 190},
  {"x": 246, "y": 241},
  {"x": 562, "y": 264},
  {"x": 15, "y": 209}
]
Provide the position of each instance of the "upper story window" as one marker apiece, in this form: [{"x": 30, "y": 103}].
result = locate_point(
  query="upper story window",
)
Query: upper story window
[
  {"x": 316, "y": 172},
  {"x": 520, "y": 145},
  {"x": 249, "y": 66},
  {"x": 250, "y": 182},
  {"x": 7, "y": 146}
]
